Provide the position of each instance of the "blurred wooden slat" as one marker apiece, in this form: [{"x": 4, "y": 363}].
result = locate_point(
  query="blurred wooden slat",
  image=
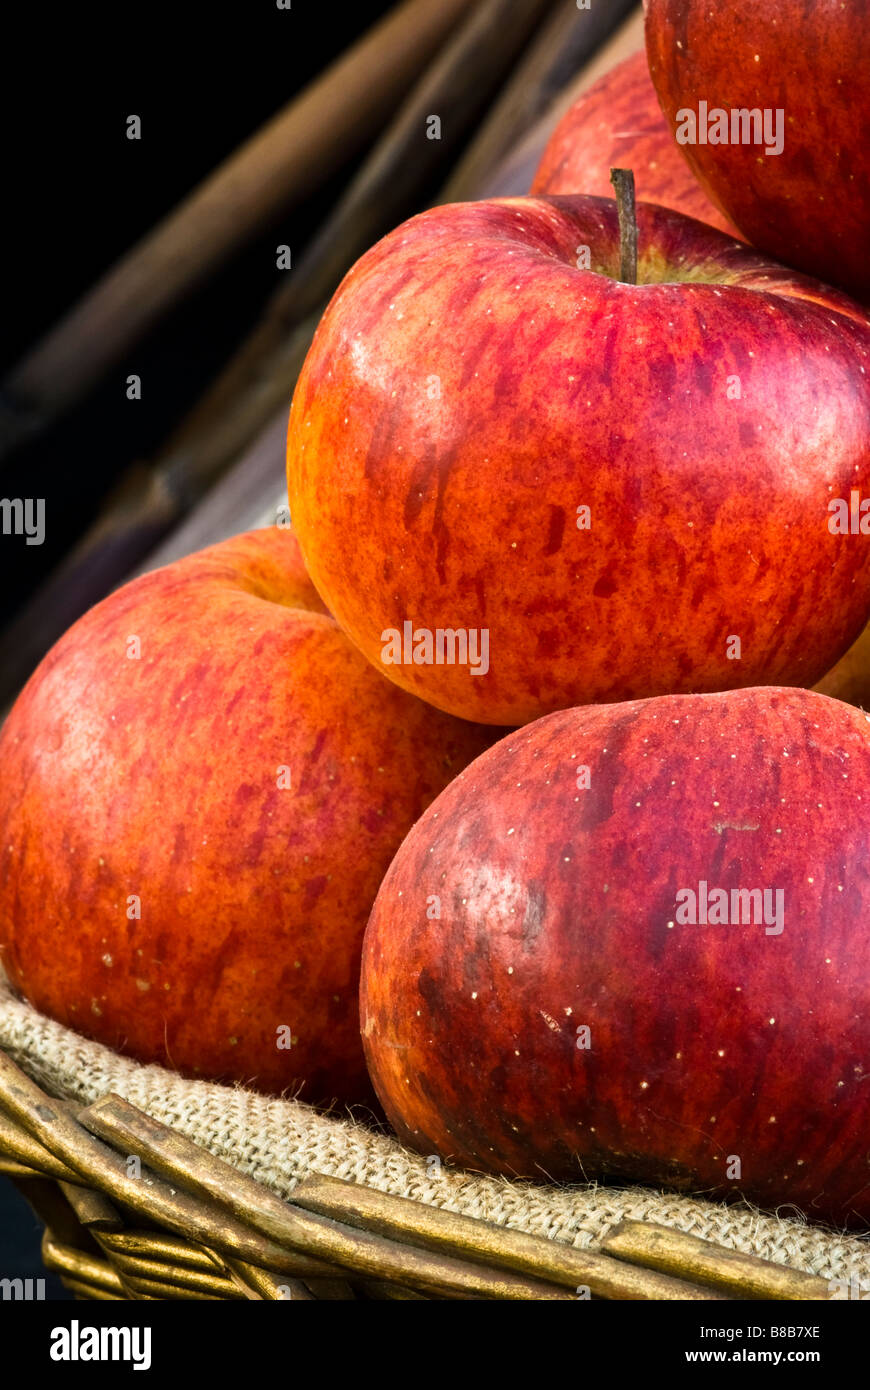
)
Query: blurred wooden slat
[
  {"x": 513, "y": 176},
  {"x": 144, "y": 523},
  {"x": 251, "y": 492},
  {"x": 260, "y": 378},
  {"x": 247, "y": 497},
  {"x": 143, "y": 511},
  {"x": 298, "y": 149},
  {"x": 456, "y": 89},
  {"x": 568, "y": 41}
]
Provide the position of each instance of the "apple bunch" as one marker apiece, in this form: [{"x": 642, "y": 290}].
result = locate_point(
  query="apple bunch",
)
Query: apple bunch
[
  {"x": 629, "y": 942},
  {"x": 564, "y": 465}
]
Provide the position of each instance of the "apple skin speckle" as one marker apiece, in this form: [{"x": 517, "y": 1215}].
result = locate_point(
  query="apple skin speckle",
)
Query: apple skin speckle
[
  {"x": 618, "y": 123},
  {"x": 157, "y": 777},
  {"x": 697, "y": 1034},
  {"x": 809, "y": 204},
  {"x": 611, "y": 480}
]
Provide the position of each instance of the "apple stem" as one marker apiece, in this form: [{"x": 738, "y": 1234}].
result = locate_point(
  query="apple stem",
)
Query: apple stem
[{"x": 623, "y": 182}]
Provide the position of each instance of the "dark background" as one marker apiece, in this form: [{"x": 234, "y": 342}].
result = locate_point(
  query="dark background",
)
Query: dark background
[{"x": 202, "y": 76}]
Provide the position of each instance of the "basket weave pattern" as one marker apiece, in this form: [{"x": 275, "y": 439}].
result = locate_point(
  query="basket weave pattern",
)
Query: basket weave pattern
[{"x": 246, "y": 1163}]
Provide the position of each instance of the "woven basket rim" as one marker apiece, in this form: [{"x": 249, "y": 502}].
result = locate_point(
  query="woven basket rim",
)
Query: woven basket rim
[{"x": 279, "y": 1141}]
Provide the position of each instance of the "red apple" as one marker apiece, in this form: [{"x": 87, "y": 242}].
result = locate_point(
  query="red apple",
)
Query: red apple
[
  {"x": 192, "y": 836},
  {"x": 618, "y": 122},
  {"x": 807, "y": 66},
  {"x": 622, "y": 489},
  {"x": 536, "y": 999}
]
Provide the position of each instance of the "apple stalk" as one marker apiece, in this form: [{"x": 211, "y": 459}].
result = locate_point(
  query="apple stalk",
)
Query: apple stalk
[{"x": 626, "y": 206}]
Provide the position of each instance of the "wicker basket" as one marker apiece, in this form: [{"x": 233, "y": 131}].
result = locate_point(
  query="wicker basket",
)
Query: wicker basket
[{"x": 135, "y": 1210}]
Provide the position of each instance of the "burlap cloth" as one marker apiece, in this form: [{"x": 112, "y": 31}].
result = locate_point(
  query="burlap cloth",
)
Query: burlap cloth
[{"x": 278, "y": 1142}]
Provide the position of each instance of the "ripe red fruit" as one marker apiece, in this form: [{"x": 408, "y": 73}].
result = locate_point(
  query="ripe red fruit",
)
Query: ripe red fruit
[
  {"x": 610, "y": 481},
  {"x": 533, "y": 1002},
  {"x": 808, "y": 205},
  {"x": 618, "y": 123},
  {"x": 192, "y": 837}
]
